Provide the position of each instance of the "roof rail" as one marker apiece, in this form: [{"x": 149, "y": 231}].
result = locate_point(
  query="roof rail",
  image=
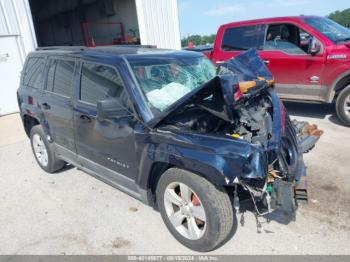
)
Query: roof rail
[
  {"x": 82, "y": 48},
  {"x": 142, "y": 46},
  {"x": 68, "y": 47}
]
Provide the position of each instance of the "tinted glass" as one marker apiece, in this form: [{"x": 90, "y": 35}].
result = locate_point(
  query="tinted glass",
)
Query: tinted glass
[
  {"x": 33, "y": 74},
  {"x": 287, "y": 38},
  {"x": 332, "y": 30},
  {"x": 243, "y": 38},
  {"x": 60, "y": 77},
  {"x": 99, "y": 82},
  {"x": 51, "y": 76}
]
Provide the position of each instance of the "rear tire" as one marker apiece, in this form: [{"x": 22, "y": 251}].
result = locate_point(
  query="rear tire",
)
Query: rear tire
[
  {"x": 343, "y": 106},
  {"x": 205, "y": 220},
  {"x": 43, "y": 151}
]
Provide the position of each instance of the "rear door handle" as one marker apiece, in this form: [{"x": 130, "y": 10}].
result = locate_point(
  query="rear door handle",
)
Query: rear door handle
[
  {"x": 46, "y": 106},
  {"x": 266, "y": 62},
  {"x": 84, "y": 119}
]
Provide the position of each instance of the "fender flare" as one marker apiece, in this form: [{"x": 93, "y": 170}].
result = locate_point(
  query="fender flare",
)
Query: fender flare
[
  {"x": 219, "y": 174},
  {"x": 34, "y": 112},
  {"x": 332, "y": 92}
]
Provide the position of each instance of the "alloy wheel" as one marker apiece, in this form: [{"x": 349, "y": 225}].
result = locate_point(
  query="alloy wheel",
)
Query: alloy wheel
[
  {"x": 40, "y": 150},
  {"x": 185, "y": 210},
  {"x": 347, "y": 106}
]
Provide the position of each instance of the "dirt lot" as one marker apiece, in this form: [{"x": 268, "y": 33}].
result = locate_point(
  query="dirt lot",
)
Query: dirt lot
[
  {"x": 73, "y": 213},
  {"x": 328, "y": 167}
]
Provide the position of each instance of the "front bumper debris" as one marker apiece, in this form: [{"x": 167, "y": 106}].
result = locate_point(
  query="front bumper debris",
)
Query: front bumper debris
[
  {"x": 286, "y": 195},
  {"x": 280, "y": 185},
  {"x": 307, "y": 135},
  {"x": 282, "y": 196}
]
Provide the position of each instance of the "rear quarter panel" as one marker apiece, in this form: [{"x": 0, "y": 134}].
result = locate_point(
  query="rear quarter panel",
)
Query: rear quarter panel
[{"x": 29, "y": 98}]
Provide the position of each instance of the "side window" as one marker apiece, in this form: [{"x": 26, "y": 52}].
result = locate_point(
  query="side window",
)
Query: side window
[
  {"x": 33, "y": 74},
  {"x": 99, "y": 82},
  {"x": 287, "y": 38},
  {"x": 243, "y": 38},
  {"x": 305, "y": 40},
  {"x": 60, "y": 77}
]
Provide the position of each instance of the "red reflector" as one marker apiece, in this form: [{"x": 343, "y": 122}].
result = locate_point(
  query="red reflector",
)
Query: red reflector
[
  {"x": 237, "y": 95},
  {"x": 30, "y": 100}
]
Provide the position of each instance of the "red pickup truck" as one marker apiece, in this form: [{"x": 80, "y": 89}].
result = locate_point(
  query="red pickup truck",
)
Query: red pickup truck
[{"x": 309, "y": 56}]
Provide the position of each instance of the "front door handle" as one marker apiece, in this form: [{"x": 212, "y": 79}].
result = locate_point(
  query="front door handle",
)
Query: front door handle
[
  {"x": 266, "y": 62},
  {"x": 46, "y": 106},
  {"x": 84, "y": 119}
]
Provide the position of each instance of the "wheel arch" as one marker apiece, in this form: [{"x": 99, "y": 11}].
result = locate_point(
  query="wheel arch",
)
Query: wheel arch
[
  {"x": 339, "y": 84},
  {"x": 28, "y": 122},
  {"x": 159, "y": 168}
]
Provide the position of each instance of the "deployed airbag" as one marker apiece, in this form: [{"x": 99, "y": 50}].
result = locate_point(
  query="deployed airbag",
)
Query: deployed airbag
[{"x": 167, "y": 95}]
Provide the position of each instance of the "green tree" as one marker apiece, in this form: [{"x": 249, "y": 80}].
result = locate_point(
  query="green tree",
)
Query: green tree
[
  {"x": 208, "y": 39},
  {"x": 198, "y": 40},
  {"x": 341, "y": 17}
]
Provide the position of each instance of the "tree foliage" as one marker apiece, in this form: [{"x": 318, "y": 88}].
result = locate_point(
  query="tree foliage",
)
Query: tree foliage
[
  {"x": 341, "y": 17},
  {"x": 198, "y": 39}
]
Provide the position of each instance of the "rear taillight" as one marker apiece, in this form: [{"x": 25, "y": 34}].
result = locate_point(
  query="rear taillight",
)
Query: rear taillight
[{"x": 30, "y": 100}]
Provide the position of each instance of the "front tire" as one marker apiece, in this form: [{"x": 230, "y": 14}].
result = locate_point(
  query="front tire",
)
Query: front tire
[
  {"x": 343, "y": 106},
  {"x": 44, "y": 151},
  {"x": 197, "y": 213}
]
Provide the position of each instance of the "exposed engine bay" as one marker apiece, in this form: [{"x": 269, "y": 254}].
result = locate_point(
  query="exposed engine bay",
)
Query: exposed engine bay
[
  {"x": 251, "y": 120},
  {"x": 236, "y": 103},
  {"x": 240, "y": 104}
]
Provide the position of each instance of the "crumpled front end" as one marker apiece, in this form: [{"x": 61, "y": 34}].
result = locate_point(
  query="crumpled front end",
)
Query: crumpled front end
[
  {"x": 247, "y": 86},
  {"x": 260, "y": 149}
]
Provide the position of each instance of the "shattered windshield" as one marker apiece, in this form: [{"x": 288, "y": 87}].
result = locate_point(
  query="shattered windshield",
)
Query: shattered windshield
[
  {"x": 333, "y": 31},
  {"x": 166, "y": 79}
]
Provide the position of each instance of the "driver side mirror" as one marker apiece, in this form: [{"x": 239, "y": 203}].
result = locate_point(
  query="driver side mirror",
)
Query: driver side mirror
[
  {"x": 110, "y": 108},
  {"x": 314, "y": 46}
]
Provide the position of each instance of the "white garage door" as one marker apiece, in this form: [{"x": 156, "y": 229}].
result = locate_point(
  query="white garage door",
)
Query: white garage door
[{"x": 10, "y": 68}]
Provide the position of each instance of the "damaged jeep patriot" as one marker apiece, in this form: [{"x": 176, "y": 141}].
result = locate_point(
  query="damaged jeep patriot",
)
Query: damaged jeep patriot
[{"x": 169, "y": 129}]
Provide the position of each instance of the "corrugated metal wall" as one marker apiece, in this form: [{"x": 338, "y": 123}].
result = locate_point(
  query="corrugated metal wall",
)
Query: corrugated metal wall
[
  {"x": 8, "y": 25},
  {"x": 16, "y": 20},
  {"x": 17, "y": 38},
  {"x": 159, "y": 23}
]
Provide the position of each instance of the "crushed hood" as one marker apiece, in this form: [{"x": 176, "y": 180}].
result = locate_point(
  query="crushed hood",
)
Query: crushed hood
[{"x": 246, "y": 72}]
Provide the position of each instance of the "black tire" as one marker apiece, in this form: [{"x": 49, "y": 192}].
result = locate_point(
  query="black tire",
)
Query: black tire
[
  {"x": 53, "y": 164},
  {"x": 215, "y": 201},
  {"x": 342, "y": 101}
]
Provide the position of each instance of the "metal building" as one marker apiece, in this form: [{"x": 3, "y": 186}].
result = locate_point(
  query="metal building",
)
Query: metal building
[{"x": 27, "y": 24}]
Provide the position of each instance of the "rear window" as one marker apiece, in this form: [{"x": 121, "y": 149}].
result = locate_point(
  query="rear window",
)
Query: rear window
[
  {"x": 243, "y": 38},
  {"x": 60, "y": 77},
  {"x": 33, "y": 74}
]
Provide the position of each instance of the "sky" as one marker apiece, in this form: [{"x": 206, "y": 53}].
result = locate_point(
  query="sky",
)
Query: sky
[{"x": 203, "y": 17}]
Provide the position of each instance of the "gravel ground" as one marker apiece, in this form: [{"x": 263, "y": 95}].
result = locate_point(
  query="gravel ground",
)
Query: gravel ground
[{"x": 72, "y": 213}]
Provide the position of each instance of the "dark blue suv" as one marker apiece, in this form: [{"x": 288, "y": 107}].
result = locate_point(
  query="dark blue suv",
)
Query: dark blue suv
[{"x": 168, "y": 128}]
